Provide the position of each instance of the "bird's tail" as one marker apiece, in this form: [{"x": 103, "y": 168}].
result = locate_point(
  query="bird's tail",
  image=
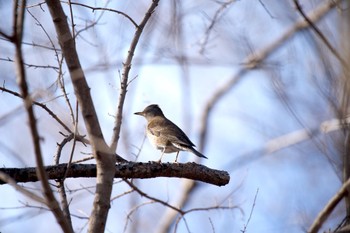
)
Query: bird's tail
[{"x": 194, "y": 151}]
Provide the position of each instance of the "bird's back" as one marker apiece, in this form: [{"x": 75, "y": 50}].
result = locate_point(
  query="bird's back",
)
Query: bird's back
[{"x": 163, "y": 127}]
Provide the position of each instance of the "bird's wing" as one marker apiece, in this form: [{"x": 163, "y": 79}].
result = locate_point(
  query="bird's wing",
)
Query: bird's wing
[{"x": 169, "y": 130}]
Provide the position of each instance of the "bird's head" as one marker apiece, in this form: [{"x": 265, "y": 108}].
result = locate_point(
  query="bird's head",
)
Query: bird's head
[{"x": 151, "y": 111}]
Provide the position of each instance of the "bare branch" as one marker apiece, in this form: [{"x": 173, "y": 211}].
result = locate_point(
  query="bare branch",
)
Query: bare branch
[
  {"x": 106, "y": 9},
  {"x": 32, "y": 65},
  {"x": 43, "y": 106},
  {"x": 290, "y": 139},
  {"x": 127, "y": 170},
  {"x": 251, "y": 212},
  {"x": 320, "y": 34},
  {"x": 60, "y": 182},
  {"x": 33, "y": 44},
  {"x": 8, "y": 180},
  {"x": 327, "y": 210},
  {"x": 219, "y": 12},
  {"x": 125, "y": 74},
  {"x": 22, "y": 82},
  {"x": 128, "y": 217},
  {"x": 153, "y": 198},
  {"x": 105, "y": 159}
]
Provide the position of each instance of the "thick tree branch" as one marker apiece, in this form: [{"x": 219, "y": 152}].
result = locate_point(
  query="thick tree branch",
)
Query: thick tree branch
[
  {"x": 105, "y": 159},
  {"x": 126, "y": 170}
]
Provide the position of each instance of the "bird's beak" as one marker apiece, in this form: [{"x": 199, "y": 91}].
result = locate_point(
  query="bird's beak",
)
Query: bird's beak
[{"x": 139, "y": 113}]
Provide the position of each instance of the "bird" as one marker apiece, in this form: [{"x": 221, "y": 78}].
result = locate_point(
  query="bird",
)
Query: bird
[{"x": 164, "y": 135}]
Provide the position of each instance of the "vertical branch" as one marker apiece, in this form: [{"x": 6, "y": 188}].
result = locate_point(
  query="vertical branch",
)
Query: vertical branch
[
  {"x": 52, "y": 203},
  {"x": 125, "y": 74},
  {"x": 345, "y": 97},
  {"x": 105, "y": 159}
]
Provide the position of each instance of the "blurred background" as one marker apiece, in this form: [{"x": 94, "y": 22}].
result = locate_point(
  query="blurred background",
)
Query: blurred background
[{"x": 261, "y": 95}]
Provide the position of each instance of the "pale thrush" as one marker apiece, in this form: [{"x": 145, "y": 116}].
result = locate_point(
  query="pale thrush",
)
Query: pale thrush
[{"x": 164, "y": 134}]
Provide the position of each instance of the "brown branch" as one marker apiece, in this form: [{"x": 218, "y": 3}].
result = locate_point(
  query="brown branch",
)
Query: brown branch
[
  {"x": 320, "y": 34},
  {"x": 60, "y": 182},
  {"x": 19, "y": 13},
  {"x": 32, "y": 65},
  {"x": 105, "y": 159},
  {"x": 327, "y": 210},
  {"x": 105, "y": 9},
  {"x": 126, "y": 170},
  {"x": 43, "y": 106},
  {"x": 32, "y": 44},
  {"x": 143, "y": 194},
  {"x": 125, "y": 74}
]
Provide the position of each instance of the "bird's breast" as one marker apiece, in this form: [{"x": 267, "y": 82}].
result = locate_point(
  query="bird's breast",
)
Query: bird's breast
[{"x": 161, "y": 143}]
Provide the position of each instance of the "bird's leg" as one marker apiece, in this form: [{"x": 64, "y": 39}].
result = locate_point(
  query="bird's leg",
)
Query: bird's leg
[
  {"x": 177, "y": 154},
  {"x": 160, "y": 160}
]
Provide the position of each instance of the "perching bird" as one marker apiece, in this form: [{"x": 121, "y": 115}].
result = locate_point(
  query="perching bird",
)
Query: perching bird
[{"x": 164, "y": 134}]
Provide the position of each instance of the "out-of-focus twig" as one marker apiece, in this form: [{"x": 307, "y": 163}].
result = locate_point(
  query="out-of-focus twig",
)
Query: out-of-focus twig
[
  {"x": 43, "y": 106},
  {"x": 327, "y": 210},
  {"x": 8, "y": 180},
  {"x": 290, "y": 139},
  {"x": 218, "y": 13},
  {"x": 320, "y": 34}
]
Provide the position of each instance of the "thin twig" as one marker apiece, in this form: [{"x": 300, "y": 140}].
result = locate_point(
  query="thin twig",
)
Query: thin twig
[
  {"x": 251, "y": 212},
  {"x": 320, "y": 34},
  {"x": 219, "y": 13},
  {"x": 74, "y": 140},
  {"x": 7, "y": 179},
  {"x": 153, "y": 198},
  {"x": 128, "y": 216},
  {"x": 125, "y": 74},
  {"x": 32, "y": 65},
  {"x": 72, "y": 19},
  {"x": 32, "y": 44},
  {"x": 43, "y": 106},
  {"x": 105, "y": 9}
]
